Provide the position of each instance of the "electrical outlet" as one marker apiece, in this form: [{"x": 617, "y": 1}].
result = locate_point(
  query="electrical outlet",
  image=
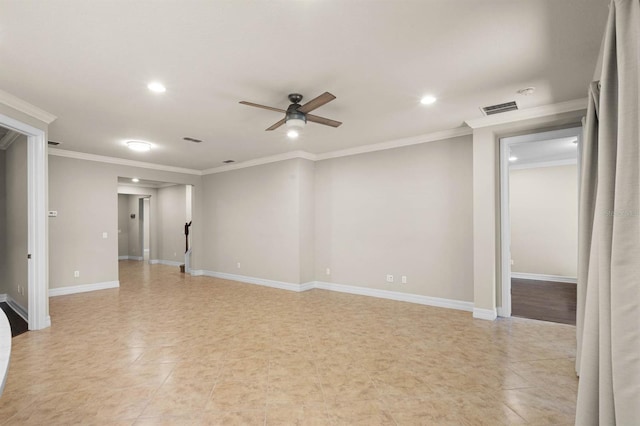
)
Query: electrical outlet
[
  {"x": 105, "y": 235},
  {"x": 238, "y": 265},
  {"x": 328, "y": 271},
  {"x": 76, "y": 274},
  {"x": 404, "y": 279},
  {"x": 389, "y": 278}
]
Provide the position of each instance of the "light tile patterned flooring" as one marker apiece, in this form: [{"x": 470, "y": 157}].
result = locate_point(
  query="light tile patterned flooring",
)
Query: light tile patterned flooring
[{"x": 167, "y": 348}]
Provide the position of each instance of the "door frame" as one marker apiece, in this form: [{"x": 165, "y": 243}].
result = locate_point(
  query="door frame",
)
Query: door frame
[
  {"x": 505, "y": 220},
  {"x": 37, "y": 270}
]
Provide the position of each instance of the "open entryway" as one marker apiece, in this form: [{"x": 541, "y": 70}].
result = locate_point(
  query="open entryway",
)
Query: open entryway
[{"x": 539, "y": 224}]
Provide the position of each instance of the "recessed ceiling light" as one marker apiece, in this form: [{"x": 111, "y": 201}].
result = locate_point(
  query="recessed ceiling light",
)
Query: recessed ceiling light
[
  {"x": 527, "y": 91},
  {"x": 575, "y": 141},
  {"x": 140, "y": 146},
  {"x": 135, "y": 180},
  {"x": 513, "y": 158},
  {"x": 157, "y": 87},
  {"x": 428, "y": 100},
  {"x": 293, "y": 133}
]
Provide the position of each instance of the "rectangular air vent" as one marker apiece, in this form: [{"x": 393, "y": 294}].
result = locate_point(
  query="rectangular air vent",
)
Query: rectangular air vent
[
  {"x": 229, "y": 161},
  {"x": 500, "y": 108},
  {"x": 189, "y": 139},
  {"x": 52, "y": 143}
]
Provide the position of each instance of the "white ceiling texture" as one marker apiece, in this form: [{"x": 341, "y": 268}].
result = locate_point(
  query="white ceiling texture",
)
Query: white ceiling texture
[{"x": 89, "y": 63}]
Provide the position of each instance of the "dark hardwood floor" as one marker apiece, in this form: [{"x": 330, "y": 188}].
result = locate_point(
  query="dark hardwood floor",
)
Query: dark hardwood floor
[
  {"x": 544, "y": 300},
  {"x": 18, "y": 325}
]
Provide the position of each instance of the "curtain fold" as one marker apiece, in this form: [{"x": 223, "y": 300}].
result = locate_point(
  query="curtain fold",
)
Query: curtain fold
[{"x": 608, "y": 317}]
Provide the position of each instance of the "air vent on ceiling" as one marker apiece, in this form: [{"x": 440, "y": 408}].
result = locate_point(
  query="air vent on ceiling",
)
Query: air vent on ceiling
[
  {"x": 52, "y": 143},
  {"x": 229, "y": 161},
  {"x": 187, "y": 138},
  {"x": 500, "y": 108}
]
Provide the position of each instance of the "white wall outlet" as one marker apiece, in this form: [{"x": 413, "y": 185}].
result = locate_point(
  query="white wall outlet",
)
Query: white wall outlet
[
  {"x": 53, "y": 213},
  {"x": 238, "y": 265},
  {"x": 105, "y": 235},
  {"x": 76, "y": 274},
  {"x": 389, "y": 278},
  {"x": 404, "y": 279},
  {"x": 328, "y": 271},
  {"x": 512, "y": 261}
]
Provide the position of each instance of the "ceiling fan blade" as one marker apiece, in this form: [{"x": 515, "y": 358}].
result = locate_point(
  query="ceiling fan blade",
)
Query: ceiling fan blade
[
  {"x": 316, "y": 102},
  {"x": 322, "y": 120},
  {"x": 276, "y": 125},
  {"x": 262, "y": 106}
]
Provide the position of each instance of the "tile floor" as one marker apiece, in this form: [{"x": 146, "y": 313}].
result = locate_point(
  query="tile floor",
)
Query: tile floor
[{"x": 167, "y": 348}]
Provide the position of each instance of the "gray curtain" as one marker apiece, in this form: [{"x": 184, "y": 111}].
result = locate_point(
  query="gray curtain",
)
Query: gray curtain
[{"x": 608, "y": 322}]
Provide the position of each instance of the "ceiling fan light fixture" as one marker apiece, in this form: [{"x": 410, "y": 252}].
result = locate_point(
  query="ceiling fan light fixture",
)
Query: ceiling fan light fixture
[
  {"x": 295, "y": 124},
  {"x": 292, "y": 133}
]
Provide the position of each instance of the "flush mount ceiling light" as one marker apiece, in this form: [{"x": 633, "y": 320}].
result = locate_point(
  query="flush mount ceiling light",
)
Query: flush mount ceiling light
[
  {"x": 140, "y": 146},
  {"x": 156, "y": 87},
  {"x": 513, "y": 158},
  {"x": 428, "y": 100}
]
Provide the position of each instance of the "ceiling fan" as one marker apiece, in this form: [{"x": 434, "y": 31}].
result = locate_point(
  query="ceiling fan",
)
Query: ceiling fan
[{"x": 296, "y": 115}]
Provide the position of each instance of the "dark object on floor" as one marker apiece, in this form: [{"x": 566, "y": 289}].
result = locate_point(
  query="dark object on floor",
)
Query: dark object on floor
[
  {"x": 18, "y": 325},
  {"x": 544, "y": 300}
]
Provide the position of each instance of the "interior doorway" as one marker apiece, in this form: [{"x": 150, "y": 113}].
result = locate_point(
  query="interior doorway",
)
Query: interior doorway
[
  {"x": 37, "y": 309},
  {"x": 539, "y": 215}
]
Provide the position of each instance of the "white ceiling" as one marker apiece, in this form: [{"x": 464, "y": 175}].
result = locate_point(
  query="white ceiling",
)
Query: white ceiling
[{"x": 89, "y": 63}]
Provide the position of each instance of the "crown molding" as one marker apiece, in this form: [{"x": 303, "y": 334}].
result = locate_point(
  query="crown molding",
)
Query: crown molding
[
  {"x": 121, "y": 161},
  {"x": 264, "y": 160},
  {"x": 397, "y": 143},
  {"x": 529, "y": 113},
  {"x": 25, "y": 107},
  {"x": 8, "y": 139},
  {"x": 539, "y": 164}
]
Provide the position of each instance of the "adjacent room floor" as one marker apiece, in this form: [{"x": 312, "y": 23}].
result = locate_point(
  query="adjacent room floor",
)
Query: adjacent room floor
[
  {"x": 167, "y": 348},
  {"x": 544, "y": 300}
]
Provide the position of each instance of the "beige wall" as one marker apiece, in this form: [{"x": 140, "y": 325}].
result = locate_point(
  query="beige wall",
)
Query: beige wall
[
  {"x": 85, "y": 193},
  {"x": 172, "y": 215},
  {"x": 404, "y": 211},
  {"x": 252, "y": 216},
  {"x": 544, "y": 220},
  {"x": 16, "y": 272},
  {"x": 123, "y": 225}
]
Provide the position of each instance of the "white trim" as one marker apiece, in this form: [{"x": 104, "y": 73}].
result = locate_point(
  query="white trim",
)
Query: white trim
[
  {"x": 396, "y": 295},
  {"x": 253, "y": 280},
  {"x": 485, "y": 314},
  {"x": 8, "y": 139},
  {"x": 25, "y": 107},
  {"x": 397, "y": 143},
  {"x": 544, "y": 277},
  {"x": 3, "y": 297},
  {"x": 130, "y": 258},
  {"x": 260, "y": 161},
  {"x": 529, "y": 113},
  {"x": 123, "y": 257},
  {"x": 83, "y": 288},
  {"x": 121, "y": 161},
  {"x": 17, "y": 308},
  {"x": 164, "y": 262},
  {"x": 554, "y": 163}
]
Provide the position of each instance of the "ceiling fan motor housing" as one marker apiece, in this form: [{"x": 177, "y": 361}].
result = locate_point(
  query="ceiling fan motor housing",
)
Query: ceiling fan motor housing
[{"x": 292, "y": 111}]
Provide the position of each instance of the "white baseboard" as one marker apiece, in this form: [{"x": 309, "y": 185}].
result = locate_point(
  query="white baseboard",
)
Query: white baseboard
[
  {"x": 17, "y": 308},
  {"x": 485, "y": 314},
  {"x": 544, "y": 277},
  {"x": 165, "y": 262},
  {"x": 61, "y": 291},
  {"x": 396, "y": 295},
  {"x": 130, "y": 258},
  {"x": 253, "y": 280}
]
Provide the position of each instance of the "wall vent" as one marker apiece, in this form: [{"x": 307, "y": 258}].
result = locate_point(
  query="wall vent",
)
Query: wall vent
[
  {"x": 188, "y": 139},
  {"x": 229, "y": 161},
  {"x": 52, "y": 143},
  {"x": 500, "y": 108}
]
